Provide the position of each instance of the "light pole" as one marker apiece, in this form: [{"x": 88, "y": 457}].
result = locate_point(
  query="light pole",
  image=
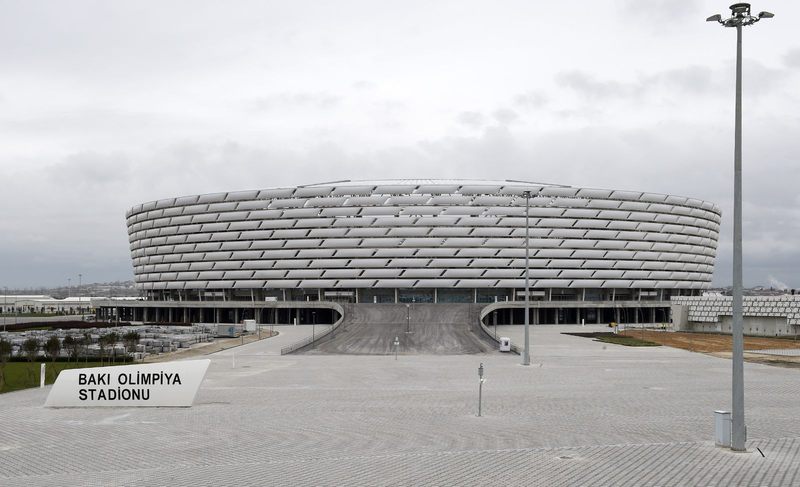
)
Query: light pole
[
  {"x": 408, "y": 318},
  {"x": 740, "y": 17},
  {"x": 526, "y": 354},
  {"x": 80, "y": 303},
  {"x": 5, "y": 305}
]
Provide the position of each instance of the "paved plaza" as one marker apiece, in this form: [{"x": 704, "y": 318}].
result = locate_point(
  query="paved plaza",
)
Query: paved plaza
[{"x": 584, "y": 413}]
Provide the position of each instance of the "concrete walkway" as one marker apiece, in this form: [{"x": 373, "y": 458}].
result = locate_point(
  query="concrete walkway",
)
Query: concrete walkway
[{"x": 586, "y": 413}]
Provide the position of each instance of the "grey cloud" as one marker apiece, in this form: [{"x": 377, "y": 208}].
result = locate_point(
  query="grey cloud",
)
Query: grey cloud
[
  {"x": 677, "y": 158},
  {"x": 792, "y": 58},
  {"x": 91, "y": 169},
  {"x": 689, "y": 80},
  {"x": 505, "y": 115},
  {"x": 320, "y": 101},
  {"x": 364, "y": 85},
  {"x": 471, "y": 119},
  {"x": 587, "y": 85},
  {"x": 530, "y": 100},
  {"x": 662, "y": 12}
]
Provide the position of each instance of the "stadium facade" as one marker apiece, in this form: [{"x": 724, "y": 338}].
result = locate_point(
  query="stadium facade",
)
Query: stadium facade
[{"x": 593, "y": 253}]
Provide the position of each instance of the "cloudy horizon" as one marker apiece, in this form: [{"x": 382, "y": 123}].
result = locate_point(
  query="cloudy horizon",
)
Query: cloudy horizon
[{"x": 107, "y": 105}]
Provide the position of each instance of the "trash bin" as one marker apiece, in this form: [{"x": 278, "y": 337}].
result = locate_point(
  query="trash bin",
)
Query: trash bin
[
  {"x": 505, "y": 344},
  {"x": 722, "y": 428}
]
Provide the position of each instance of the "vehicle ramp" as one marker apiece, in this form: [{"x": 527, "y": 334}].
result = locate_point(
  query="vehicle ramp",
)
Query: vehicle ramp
[{"x": 420, "y": 329}]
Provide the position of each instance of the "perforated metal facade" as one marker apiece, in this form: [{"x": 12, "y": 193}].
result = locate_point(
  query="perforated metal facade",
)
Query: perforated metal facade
[{"x": 423, "y": 234}]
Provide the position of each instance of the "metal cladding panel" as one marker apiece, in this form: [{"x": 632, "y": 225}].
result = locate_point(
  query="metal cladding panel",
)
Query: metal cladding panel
[
  {"x": 398, "y": 252},
  {"x": 464, "y": 222},
  {"x": 617, "y": 283},
  {"x": 541, "y": 273},
  {"x": 328, "y": 263},
  {"x": 340, "y": 211},
  {"x": 586, "y": 283},
  {"x": 431, "y": 252},
  {"x": 395, "y": 283},
  {"x": 423, "y": 273},
  {"x": 552, "y": 283},
  {"x": 479, "y": 189},
  {"x": 283, "y": 283},
  {"x": 382, "y": 273},
  {"x": 396, "y": 189},
  {"x": 450, "y": 263},
  {"x": 503, "y": 273},
  {"x": 359, "y": 283},
  {"x": 270, "y": 274},
  {"x": 248, "y": 284},
  {"x": 463, "y": 273},
  {"x": 327, "y": 232},
  {"x": 342, "y": 273},
  {"x": 476, "y": 283},
  {"x": 409, "y": 263},
  {"x": 317, "y": 283},
  {"x": 352, "y": 190},
  {"x": 431, "y": 283}
]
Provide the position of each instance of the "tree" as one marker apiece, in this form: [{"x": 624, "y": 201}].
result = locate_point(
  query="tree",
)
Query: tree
[
  {"x": 73, "y": 346},
  {"x": 85, "y": 342},
  {"x": 5, "y": 356},
  {"x": 102, "y": 342},
  {"x": 113, "y": 338},
  {"x": 52, "y": 347},
  {"x": 130, "y": 339},
  {"x": 30, "y": 348}
]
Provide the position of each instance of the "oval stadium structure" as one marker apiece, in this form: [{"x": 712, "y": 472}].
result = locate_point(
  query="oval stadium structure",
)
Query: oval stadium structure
[{"x": 425, "y": 241}]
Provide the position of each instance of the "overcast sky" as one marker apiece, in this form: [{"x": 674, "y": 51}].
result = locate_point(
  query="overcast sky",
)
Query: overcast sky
[{"x": 104, "y": 105}]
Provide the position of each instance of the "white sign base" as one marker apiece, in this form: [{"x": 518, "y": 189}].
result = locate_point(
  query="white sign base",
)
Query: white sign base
[{"x": 168, "y": 384}]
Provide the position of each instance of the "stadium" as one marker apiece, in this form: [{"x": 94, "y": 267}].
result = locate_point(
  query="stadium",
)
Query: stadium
[{"x": 594, "y": 255}]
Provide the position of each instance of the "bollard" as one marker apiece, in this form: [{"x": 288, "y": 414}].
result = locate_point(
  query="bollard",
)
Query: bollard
[
  {"x": 41, "y": 375},
  {"x": 480, "y": 388},
  {"x": 396, "y": 346}
]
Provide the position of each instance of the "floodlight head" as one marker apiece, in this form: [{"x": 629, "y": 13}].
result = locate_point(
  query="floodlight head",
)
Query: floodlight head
[
  {"x": 714, "y": 18},
  {"x": 740, "y": 9},
  {"x": 765, "y": 15}
]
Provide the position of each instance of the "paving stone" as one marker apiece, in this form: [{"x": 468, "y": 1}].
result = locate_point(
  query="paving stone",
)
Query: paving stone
[{"x": 585, "y": 413}]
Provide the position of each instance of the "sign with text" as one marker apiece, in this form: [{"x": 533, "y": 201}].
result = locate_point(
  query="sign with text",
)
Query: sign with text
[{"x": 169, "y": 384}]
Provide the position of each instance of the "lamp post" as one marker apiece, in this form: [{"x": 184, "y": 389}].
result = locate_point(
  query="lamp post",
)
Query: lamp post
[
  {"x": 80, "y": 303},
  {"x": 5, "y": 305},
  {"x": 526, "y": 355},
  {"x": 740, "y": 17}
]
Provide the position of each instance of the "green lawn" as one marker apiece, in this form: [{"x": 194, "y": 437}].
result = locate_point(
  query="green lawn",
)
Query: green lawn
[{"x": 22, "y": 375}]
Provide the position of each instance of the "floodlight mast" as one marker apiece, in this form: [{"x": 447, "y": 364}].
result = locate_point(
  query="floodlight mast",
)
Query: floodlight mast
[{"x": 740, "y": 17}]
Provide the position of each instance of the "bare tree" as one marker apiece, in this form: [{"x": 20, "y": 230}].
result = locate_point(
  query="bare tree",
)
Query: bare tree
[
  {"x": 130, "y": 339},
  {"x": 31, "y": 349},
  {"x": 53, "y": 348},
  {"x": 113, "y": 338},
  {"x": 5, "y": 356}
]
